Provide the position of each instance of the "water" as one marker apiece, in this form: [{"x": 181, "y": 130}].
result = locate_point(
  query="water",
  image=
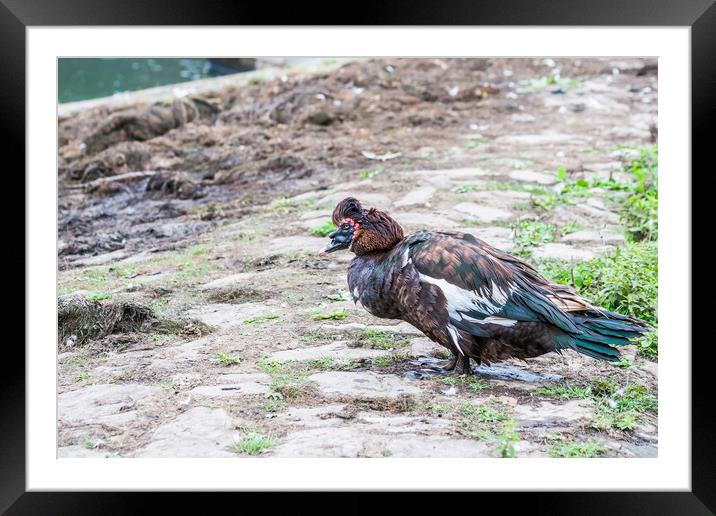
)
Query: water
[{"x": 88, "y": 78}]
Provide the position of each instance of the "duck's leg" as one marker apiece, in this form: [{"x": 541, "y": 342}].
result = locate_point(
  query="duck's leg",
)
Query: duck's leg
[{"x": 463, "y": 366}]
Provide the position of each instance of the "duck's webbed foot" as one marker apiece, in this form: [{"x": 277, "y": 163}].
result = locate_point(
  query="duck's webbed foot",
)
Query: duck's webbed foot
[
  {"x": 449, "y": 365},
  {"x": 457, "y": 364}
]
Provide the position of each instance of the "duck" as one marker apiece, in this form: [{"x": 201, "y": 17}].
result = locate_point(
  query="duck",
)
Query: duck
[{"x": 480, "y": 303}]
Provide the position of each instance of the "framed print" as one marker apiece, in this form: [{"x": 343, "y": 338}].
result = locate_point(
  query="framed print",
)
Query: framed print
[{"x": 378, "y": 257}]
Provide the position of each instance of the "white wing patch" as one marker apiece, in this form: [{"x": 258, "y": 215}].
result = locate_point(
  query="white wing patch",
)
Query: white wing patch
[
  {"x": 459, "y": 300},
  {"x": 501, "y": 321},
  {"x": 485, "y": 300}
]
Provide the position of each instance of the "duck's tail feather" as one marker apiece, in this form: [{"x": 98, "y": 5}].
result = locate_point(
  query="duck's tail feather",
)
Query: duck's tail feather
[{"x": 600, "y": 331}]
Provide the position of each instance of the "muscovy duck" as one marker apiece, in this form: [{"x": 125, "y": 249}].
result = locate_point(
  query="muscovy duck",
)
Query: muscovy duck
[{"x": 477, "y": 301}]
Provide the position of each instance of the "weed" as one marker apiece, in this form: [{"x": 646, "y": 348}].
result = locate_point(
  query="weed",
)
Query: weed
[
  {"x": 82, "y": 376},
  {"x": 624, "y": 281},
  {"x": 289, "y": 384},
  {"x": 341, "y": 313},
  {"x": 465, "y": 188},
  {"x": 253, "y": 443},
  {"x": 158, "y": 304},
  {"x": 389, "y": 360},
  {"x": 367, "y": 174},
  {"x": 226, "y": 359},
  {"x": 531, "y": 233},
  {"x": 287, "y": 203},
  {"x": 640, "y": 211},
  {"x": 439, "y": 409},
  {"x": 377, "y": 339},
  {"x": 323, "y": 230},
  {"x": 572, "y": 449},
  {"x": 99, "y": 296},
  {"x": 386, "y": 453},
  {"x": 507, "y": 435},
  {"x": 564, "y": 391},
  {"x": 271, "y": 366},
  {"x": 314, "y": 336},
  {"x": 258, "y": 319},
  {"x": 169, "y": 386},
  {"x": 340, "y": 296},
  {"x": 616, "y": 407},
  {"x": 322, "y": 363},
  {"x": 274, "y": 402},
  {"x": 535, "y": 85},
  {"x": 473, "y": 383}
]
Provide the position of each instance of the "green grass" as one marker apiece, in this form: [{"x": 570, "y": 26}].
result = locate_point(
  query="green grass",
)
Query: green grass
[
  {"x": 323, "y": 230},
  {"x": 322, "y": 363},
  {"x": 340, "y": 296},
  {"x": 483, "y": 413},
  {"x": 618, "y": 407},
  {"x": 640, "y": 211},
  {"x": 314, "y": 336},
  {"x": 473, "y": 383},
  {"x": 258, "y": 319},
  {"x": 571, "y": 449},
  {"x": 465, "y": 188},
  {"x": 157, "y": 305},
  {"x": 514, "y": 186},
  {"x": 624, "y": 281},
  {"x": 489, "y": 422},
  {"x": 287, "y": 380},
  {"x": 367, "y": 174},
  {"x": 389, "y": 360},
  {"x": 377, "y": 339},
  {"x": 226, "y": 359},
  {"x": 341, "y": 313},
  {"x": 169, "y": 386},
  {"x": 439, "y": 409},
  {"x": 530, "y": 233},
  {"x": 99, "y": 296},
  {"x": 271, "y": 366},
  {"x": 563, "y": 391},
  {"x": 253, "y": 443},
  {"x": 638, "y": 206},
  {"x": 540, "y": 83},
  {"x": 287, "y": 203},
  {"x": 505, "y": 437}
]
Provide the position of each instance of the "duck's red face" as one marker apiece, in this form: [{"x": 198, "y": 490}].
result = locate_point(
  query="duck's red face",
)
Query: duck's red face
[
  {"x": 347, "y": 217},
  {"x": 342, "y": 237},
  {"x": 362, "y": 231}
]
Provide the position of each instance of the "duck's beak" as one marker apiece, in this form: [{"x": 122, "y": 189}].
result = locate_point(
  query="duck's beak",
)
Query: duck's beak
[{"x": 340, "y": 239}]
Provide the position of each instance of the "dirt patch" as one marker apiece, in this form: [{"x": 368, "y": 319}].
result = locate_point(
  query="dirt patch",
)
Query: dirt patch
[
  {"x": 81, "y": 320},
  {"x": 238, "y": 295},
  {"x": 84, "y": 319}
]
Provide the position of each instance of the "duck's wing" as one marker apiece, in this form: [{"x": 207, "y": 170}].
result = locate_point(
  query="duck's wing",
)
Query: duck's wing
[{"x": 485, "y": 286}]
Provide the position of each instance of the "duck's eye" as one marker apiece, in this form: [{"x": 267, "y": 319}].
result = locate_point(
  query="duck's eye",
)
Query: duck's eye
[{"x": 345, "y": 225}]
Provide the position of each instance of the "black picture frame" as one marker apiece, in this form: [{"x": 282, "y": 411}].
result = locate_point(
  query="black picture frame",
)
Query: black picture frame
[{"x": 700, "y": 15}]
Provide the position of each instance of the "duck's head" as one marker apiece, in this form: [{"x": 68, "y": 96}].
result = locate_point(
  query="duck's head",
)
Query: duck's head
[{"x": 362, "y": 231}]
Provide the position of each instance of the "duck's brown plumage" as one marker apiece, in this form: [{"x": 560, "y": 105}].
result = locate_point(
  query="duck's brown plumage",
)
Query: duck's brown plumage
[{"x": 470, "y": 297}]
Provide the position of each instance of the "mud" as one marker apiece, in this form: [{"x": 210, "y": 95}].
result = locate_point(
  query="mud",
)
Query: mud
[{"x": 206, "y": 216}]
